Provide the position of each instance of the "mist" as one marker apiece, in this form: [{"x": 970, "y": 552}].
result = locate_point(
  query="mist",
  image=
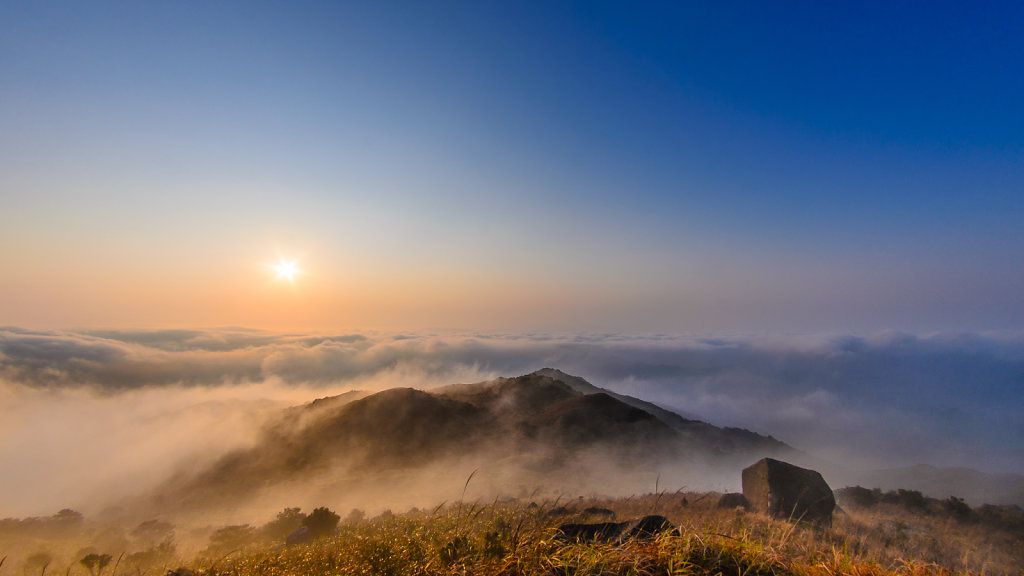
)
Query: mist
[
  {"x": 91, "y": 420},
  {"x": 83, "y": 449}
]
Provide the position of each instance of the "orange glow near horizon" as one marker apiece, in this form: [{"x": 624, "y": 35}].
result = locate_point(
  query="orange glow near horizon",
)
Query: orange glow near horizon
[{"x": 284, "y": 293}]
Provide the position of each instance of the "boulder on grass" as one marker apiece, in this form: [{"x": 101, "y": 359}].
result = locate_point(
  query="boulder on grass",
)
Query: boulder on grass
[
  {"x": 647, "y": 528},
  {"x": 732, "y": 500},
  {"x": 303, "y": 535},
  {"x": 599, "y": 512},
  {"x": 783, "y": 490},
  {"x": 591, "y": 532}
]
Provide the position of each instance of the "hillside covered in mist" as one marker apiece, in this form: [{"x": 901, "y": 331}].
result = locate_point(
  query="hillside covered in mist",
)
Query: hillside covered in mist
[{"x": 542, "y": 431}]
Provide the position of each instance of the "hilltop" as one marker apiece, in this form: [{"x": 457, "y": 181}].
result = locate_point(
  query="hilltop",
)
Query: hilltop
[
  {"x": 546, "y": 432},
  {"x": 545, "y": 427}
]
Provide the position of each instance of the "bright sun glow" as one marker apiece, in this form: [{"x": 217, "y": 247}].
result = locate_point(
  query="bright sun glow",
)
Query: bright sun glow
[{"x": 286, "y": 269}]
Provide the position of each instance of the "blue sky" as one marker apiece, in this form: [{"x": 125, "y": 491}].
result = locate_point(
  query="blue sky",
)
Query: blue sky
[{"x": 578, "y": 166}]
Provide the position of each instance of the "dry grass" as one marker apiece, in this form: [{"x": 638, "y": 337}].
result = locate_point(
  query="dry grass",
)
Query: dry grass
[{"x": 513, "y": 538}]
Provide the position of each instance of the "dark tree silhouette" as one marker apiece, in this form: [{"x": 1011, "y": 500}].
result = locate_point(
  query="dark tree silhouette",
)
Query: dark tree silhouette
[
  {"x": 153, "y": 532},
  {"x": 231, "y": 538},
  {"x": 95, "y": 563},
  {"x": 287, "y": 521},
  {"x": 68, "y": 516},
  {"x": 321, "y": 522}
]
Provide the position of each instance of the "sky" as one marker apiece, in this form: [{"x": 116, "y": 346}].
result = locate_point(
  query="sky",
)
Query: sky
[
  {"x": 805, "y": 219},
  {"x": 663, "y": 167}
]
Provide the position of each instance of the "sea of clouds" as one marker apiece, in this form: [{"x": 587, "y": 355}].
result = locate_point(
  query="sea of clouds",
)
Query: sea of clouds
[{"x": 81, "y": 411}]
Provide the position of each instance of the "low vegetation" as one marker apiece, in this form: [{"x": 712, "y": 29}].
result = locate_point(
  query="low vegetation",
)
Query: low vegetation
[{"x": 876, "y": 533}]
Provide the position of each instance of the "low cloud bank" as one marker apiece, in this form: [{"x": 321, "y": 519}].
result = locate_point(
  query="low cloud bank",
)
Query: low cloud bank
[{"x": 78, "y": 409}]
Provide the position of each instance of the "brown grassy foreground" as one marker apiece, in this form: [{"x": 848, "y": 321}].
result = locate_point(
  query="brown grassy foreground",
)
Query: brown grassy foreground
[{"x": 515, "y": 538}]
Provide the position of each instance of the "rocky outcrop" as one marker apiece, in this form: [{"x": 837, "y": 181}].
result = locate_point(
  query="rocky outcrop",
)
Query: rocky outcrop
[
  {"x": 645, "y": 528},
  {"x": 783, "y": 490}
]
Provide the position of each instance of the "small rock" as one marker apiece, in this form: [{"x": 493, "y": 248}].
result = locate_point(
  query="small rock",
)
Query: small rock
[
  {"x": 597, "y": 531},
  {"x": 560, "y": 511},
  {"x": 733, "y": 500},
  {"x": 302, "y": 535},
  {"x": 602, "y": 512},
  {"x": 643, "y": 529}
]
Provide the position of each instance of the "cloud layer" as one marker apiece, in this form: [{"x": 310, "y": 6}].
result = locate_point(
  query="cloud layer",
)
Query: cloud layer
[{"x": 79, "y": 407}]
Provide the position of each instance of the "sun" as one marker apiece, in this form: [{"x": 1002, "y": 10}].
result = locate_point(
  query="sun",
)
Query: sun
[{"x": 286, "y": 269}]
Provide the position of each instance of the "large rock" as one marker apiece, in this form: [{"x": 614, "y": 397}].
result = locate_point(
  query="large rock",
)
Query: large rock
[{"x": 783, "y": 490}]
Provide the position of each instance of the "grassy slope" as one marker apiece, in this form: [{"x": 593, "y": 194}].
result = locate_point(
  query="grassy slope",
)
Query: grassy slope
[{"x": 513, "y": 538}]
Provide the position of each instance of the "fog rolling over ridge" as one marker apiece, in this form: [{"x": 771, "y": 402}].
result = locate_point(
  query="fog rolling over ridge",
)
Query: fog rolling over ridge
[
  {"x": 532, "y": 436},
  {"x": 95, "y": 419}
]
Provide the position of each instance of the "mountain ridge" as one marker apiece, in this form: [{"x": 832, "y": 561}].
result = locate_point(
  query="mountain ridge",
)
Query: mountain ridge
[
  {"x": 541, "y": 428},
  {"x": 539, "y": 425}
]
